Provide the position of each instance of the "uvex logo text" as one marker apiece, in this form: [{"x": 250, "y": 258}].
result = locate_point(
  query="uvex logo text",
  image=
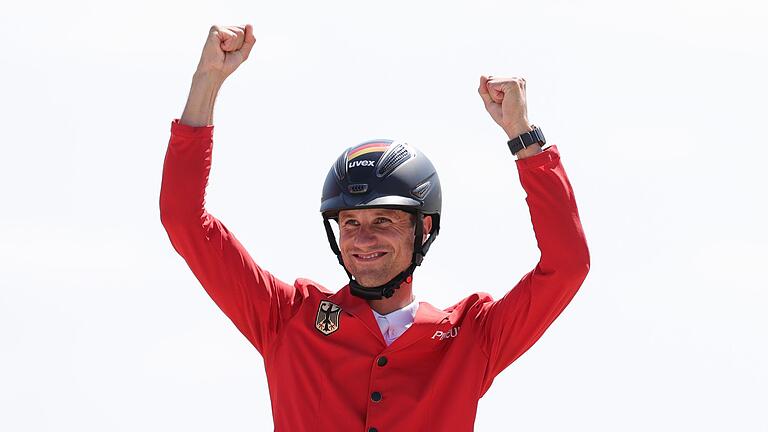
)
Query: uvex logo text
[
  {"x": 452, "y": 333},
  {"x": 369, "y": 163}
]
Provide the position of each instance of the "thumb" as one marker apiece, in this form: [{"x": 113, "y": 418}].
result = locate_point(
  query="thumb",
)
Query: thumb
[
  {"x": 483, "y": 90},
  {"x": 250, "y": 40}
]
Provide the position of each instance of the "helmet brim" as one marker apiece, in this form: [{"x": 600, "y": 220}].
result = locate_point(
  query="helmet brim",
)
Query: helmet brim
[{"x": 331, "y": 208}]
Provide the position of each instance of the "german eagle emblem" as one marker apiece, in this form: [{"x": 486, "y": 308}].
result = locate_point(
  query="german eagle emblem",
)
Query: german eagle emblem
[{"x": 327, "y": 320}]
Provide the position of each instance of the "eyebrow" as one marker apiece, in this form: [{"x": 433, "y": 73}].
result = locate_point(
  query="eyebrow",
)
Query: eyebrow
[{"x": 394, "y": 214}]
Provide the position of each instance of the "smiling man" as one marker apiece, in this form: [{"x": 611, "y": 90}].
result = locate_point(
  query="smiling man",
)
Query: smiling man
[
  {"x": 370, "y": 357},
  {"x": 376, "y": 244}
]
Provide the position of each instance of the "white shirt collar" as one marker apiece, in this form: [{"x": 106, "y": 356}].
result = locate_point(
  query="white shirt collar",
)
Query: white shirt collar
[{"x": 395, "y": 323}]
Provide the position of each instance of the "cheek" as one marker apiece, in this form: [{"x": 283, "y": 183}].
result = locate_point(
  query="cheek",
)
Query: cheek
[
  {"x": 405, "y": 244},
  {"x": 343, "y": 242},
  {"x": 346, "y": 242}
]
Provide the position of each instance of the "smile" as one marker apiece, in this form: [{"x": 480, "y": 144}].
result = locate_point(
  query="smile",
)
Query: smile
[{"x": 370, "y": 256}]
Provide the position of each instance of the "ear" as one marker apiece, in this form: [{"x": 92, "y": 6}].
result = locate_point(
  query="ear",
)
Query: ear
[{"x": 427, "y": 221}]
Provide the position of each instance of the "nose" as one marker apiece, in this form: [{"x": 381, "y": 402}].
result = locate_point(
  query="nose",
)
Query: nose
[{"x": 365, "y": 236}]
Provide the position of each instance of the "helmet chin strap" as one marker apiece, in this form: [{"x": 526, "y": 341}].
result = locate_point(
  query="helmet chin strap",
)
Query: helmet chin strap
[
  {"x": 386, "y": 290},
  {"x": 382, "y": 291}
]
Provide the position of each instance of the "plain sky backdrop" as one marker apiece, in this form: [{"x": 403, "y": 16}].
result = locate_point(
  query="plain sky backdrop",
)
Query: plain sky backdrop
[{"x": 658, "y": 109}]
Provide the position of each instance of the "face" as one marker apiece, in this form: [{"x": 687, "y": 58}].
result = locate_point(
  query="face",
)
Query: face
[{"x": 377, "y": 244}]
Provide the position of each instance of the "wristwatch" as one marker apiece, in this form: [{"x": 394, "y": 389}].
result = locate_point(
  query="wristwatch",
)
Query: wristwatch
[{"x": 526, "y": 139}]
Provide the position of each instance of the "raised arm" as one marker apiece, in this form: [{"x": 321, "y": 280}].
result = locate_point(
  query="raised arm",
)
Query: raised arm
[
  {"x": 514, "y": 323},
  {"x": 225, "y": 49},
  {"x": 255, "y": 301}
]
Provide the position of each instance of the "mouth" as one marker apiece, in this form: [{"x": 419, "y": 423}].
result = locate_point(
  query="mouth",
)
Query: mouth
[{"x": 369, "y": 257}]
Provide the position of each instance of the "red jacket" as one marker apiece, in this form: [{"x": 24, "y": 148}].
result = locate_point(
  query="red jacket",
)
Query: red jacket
[{"x": 327, "y": 364}]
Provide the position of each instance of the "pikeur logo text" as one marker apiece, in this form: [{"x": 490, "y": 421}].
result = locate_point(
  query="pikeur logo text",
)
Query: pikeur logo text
[{"x": 443, "y": 335}]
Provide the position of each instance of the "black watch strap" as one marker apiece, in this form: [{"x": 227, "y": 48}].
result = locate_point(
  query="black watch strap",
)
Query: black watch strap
[{"x": 526, "y": 139}]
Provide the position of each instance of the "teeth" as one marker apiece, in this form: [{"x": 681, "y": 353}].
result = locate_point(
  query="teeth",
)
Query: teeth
[{"x": 369, "y": 256}]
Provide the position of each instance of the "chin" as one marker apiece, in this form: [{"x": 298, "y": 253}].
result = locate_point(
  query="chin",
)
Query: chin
[
  {"x": 372, "y": 280},
  {"x": 370, "y": 283},
  {"x": 370, "y": 276}
]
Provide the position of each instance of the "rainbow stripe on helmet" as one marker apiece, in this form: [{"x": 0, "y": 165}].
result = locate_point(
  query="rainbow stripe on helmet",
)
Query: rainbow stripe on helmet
[{"x": 368, "y": 148}]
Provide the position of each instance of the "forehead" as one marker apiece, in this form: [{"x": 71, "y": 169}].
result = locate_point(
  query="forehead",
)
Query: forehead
[{"x": 374, "y": 212}]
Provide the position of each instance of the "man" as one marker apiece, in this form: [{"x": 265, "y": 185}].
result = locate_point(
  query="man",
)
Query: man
[{"x": 369, "y": 357}]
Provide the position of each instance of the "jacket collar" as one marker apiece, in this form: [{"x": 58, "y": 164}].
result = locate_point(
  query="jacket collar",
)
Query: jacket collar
[{"x": 427, "y": 318}]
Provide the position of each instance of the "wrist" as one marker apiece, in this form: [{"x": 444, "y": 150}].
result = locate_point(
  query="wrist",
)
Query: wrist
[
  {"x": 529, "y": 151},
  {"x": 516, "y": 129},
  {"x": 208, "y": 79},
  {"x": 527, "y": 143},
  {"x": 202, "y": 97}
]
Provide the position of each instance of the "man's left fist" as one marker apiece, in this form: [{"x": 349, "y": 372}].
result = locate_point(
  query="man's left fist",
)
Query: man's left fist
[{"x": 504, "y": 99}]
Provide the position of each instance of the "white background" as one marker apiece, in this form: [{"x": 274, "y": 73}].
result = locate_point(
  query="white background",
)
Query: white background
[{"x": 658, "y": 109}]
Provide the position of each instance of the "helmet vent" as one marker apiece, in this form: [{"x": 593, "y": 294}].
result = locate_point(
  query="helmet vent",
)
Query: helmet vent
[
  {"x": 392, "y": 159},
  {"x": 340, "y": 167},
  {"x": 358, "y": 188},
  {"x": 422, "y": 190}
]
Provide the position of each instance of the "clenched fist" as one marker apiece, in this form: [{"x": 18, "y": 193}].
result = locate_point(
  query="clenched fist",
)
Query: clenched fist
[
  {"x": 504, "y": 99},
  {"x": 225, "y": 49}
]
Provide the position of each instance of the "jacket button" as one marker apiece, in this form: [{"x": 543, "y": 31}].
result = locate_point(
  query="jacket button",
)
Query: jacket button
[
  {"x": 375, "y": 396},
  {"x": 373, "y": 429},
  {"x": 381, "y": 361}
]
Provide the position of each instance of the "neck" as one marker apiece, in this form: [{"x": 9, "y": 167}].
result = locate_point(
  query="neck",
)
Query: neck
[{"x": 403, "y": 297}]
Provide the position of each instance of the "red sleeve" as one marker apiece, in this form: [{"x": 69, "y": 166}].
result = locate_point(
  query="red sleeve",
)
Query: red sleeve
[
  {"x": 256, "y": 302},
  {"x": 514, "y": 323}
]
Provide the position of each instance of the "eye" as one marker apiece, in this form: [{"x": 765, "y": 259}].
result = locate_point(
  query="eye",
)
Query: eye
[
  {"x": 350, "y": 222},
  {"x": 381, "y": 220}
]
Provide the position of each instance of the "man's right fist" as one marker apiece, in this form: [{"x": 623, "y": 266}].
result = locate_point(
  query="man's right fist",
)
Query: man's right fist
[{"x": 226, "y": 48}]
